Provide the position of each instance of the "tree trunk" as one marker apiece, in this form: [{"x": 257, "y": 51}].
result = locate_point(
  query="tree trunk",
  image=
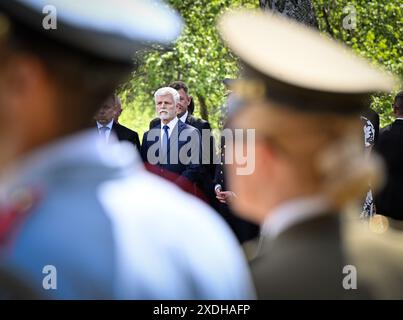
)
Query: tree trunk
[
  {"x": 203, "y": 107},
  {"x": 300, "y": 10}
]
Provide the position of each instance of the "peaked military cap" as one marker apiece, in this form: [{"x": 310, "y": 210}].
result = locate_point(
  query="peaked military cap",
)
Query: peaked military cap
[
  {"x": 109, "y": 29},
  {"x": 299, "y": 67}
]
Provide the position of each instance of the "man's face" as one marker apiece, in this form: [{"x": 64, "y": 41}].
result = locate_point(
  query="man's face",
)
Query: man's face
[
  {"x": 107, "y": 112},
  {"x": 165, "y": 107},
  {"x": 183, "y": 103}
]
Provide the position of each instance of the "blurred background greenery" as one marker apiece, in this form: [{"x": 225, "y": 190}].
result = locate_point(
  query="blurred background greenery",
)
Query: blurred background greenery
[{"x": 200, "y": 58}]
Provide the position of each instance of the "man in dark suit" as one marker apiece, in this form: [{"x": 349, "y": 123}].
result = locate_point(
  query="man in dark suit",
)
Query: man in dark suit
[
  {"x": 106, "y": 123},
  {"x": 389, "y": 201},
  {"x": 184, "y": 113},
  {"x": 165, "y": 144}
]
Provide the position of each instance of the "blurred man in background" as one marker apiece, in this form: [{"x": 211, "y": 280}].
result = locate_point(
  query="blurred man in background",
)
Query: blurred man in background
[
  {"x": 107, "y": 125},
  {"x": 172, "y": 135}
]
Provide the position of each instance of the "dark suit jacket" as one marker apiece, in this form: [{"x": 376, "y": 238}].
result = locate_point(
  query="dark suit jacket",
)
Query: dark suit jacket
[
  {"x": 125, "y": 134},
  {"x": 200, "y": 125},
  {"x": 191, "y": 171},
  {"x": 208, "y": 167},
  {"x": 389, "y": 201}
]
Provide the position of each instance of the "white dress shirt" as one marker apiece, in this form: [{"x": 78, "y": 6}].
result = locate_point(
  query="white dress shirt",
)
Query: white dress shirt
[
  {"x": 108, "y": 132},
  {"x": 122, "y": 211},
  {"x": 171, "y": 126}
]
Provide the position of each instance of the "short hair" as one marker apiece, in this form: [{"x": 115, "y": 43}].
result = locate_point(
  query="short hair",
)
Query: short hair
[
  {"x": 167, "y": 90},
  {"x": 79, "y": 76},
  {"x": 177, "y": 85},
  {"x": 398, "y": 102}
]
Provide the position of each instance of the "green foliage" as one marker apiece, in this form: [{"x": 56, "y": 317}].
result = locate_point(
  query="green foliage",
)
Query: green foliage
[
  {"x": 199, "y": 58},
  {"x": 378, "y": 36}
]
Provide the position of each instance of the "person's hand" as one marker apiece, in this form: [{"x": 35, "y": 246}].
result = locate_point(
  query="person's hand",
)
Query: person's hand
[
  {"x": 225, "y": 196},
  {"x": 217, "y": 190}
]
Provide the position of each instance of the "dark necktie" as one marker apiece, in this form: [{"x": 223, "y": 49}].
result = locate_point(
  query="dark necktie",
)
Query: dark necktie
[{"x": 165, "y": 140}]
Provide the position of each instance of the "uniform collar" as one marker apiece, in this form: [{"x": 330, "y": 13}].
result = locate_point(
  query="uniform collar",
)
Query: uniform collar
[
  {"x": 291, "y": 213},
  {"x": 81, "y": 149}
]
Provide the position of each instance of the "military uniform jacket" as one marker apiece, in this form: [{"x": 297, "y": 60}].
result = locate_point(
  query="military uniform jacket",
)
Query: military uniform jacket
[
  {"x": 114, "y": 231},
  {"x": 313, "y": 259}
]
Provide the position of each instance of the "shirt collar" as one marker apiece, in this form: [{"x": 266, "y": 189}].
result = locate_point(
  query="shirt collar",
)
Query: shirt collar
[
  {"x": 399, "y": 118},
  {"x": 84, "y": 148},
  {"x": 109, "y": 125},
  {"x": 184, "y": 117},
  {"x": 291, "y": 213},
  {"x": 171, "y": 124}
]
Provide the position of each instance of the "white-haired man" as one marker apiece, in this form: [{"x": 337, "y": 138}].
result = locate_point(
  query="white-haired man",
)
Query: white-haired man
[{"x": 173, "y": 146}]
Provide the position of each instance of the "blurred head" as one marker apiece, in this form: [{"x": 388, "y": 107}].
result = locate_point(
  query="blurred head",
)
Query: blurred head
[
  {"x": 398, "y": 105},
  {"x": 297, "y": 155},
  {"x": 183, "y": 104},
  {"x": 108, "y": 110},
  {"x": 305, "y": 112},
  {"x": 47, "y": 90},
  {"x": 166, "y": 100}
]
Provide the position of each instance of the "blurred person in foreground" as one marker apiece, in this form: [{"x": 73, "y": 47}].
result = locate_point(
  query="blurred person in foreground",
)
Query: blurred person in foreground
[
  {"x": 243, "y": 229},
  {"x": 162, "y": 145},
  {"x": 303, "y": 93},
  {"x": 75, "y": 221}
]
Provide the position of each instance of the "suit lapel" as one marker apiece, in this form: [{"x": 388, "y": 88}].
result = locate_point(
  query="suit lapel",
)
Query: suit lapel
[
  {"x": 115, "y": 129},
  {"x": 189, "y": 119},
  {"x": 173, "y": 139}
]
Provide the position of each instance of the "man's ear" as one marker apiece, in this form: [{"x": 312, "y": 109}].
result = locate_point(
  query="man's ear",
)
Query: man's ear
[{"x": 190, "y": 99}]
